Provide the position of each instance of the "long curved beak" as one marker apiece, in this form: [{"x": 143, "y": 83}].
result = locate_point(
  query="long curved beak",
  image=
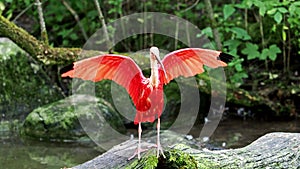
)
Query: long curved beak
[{"x": 162, "y": 66}]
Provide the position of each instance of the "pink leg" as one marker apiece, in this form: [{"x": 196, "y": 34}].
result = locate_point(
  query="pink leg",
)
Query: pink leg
[
  {"x": 140, "y": 137},
  {"x": 159, "y": 148},
  {"x": 138, "y": 150}
]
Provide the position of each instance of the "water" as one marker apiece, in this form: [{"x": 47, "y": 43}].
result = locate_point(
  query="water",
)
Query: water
[
  {"x": 16, "y": 153},
  {"x": 236, "y": 133}
]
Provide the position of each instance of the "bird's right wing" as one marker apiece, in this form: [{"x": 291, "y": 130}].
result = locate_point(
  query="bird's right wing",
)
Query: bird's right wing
[
  {"x": 189, "y": 62},
  {"x": 121, "y": 69}
]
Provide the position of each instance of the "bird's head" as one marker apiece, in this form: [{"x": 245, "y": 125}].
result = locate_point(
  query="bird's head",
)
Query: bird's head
[{"x": 154, "y": 55}]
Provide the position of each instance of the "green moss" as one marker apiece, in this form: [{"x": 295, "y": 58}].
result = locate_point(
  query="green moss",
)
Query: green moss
[
  {"x": 174, "y": 159},
  {"x": 59, "y": 120},
  {"x": 24, "y": 84},
  {"x": 177, "y": 159},
  {"x": 147, "y": 162},
  {"x": 196, "y": 160}
]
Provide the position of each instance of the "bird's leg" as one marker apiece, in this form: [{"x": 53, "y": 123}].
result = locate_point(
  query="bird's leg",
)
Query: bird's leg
[
  {"x": 159, "y": 148},
  {"x": 140, "y": 137},
  {"x": 139, "y": 149}
]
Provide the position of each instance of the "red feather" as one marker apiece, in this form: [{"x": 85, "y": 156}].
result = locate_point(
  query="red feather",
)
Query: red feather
[
  {"x": 189, "y": 62},
  {"x": 147, "y": 99}
]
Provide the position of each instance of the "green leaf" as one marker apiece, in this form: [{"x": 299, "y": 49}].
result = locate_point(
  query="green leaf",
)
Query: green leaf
[
  {"x": 262, "y": 10},
  {"x": 228, "y": 10},
  {"x": 232, "y": 44},
  {"x": 278, "y": 17},
  {"x": 251, "y": 51},
  {"x": 274, "y": 50},
  {"x": 294, "y": 7},
  {"x": 272, "y": 11},
  {"x": 261, "y": 5},
  {"x": 73, "y": 36},
  {"x": 282, "y": 10},
  {"x": 264, "y": 54},
  {"x": 238, "y": 67},
  {"x": 2, "y": 7},
  {"x": 245, "y": 4},
  {"x": 206, "y": 31},
  {"x": 283, "y": 35},
  {"x": 240, "y": 33}
]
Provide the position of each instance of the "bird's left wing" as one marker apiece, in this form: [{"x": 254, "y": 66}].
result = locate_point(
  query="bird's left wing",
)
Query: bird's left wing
[
  {"x": 121, "y": 69},
  {"x": 189, "y": 62}
]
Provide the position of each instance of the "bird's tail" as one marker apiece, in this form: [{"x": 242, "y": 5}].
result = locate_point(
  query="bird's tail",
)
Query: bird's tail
[{"x": 69, "y": 73}]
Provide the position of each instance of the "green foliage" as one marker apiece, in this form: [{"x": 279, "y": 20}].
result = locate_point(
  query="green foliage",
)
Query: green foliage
[
  {"x": 251, "y": 51},
  {"x": 255, "y": 31},
  {"x": 117, "y": 7},
  {"x": 228, "y": 10}
]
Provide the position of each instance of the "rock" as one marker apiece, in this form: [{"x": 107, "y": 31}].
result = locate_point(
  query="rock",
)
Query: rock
[
  {"x": 24, "y": 84},
  {"x": 60, "y": 120},
  {"x": 274, "y": 150}
]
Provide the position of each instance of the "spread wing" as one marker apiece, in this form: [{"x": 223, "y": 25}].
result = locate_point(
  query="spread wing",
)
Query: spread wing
[
  {"x": 121, "y": 69},
  {"x": 189, "y": 62}
]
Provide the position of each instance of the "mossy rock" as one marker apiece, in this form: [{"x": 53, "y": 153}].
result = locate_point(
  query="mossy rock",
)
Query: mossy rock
[
  {"x": 60, "y": 120},
  {"x": 24, "y": 84}
]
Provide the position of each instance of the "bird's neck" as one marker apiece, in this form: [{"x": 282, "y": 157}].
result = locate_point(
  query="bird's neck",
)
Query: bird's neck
[{"x": 154, "y": 73}]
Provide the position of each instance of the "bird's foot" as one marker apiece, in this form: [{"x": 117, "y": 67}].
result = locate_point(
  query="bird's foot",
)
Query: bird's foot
[
  {"x": 159, "y": 150},
  {"x": 137, "y": 152}
]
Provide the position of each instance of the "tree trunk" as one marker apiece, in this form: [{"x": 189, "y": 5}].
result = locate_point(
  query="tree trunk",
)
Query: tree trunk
[
  {"x": 38, "y": 49},
  {"x": 274, "y": 150}
]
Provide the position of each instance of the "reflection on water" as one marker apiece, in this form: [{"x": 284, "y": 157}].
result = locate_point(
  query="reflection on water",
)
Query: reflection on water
[
  {"x": 16, "y": 153},
  {"x": 235, "y": 133}
]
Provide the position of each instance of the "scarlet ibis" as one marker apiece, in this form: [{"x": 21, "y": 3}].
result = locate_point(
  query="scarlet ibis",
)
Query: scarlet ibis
[{"x": 146, "y": 93}]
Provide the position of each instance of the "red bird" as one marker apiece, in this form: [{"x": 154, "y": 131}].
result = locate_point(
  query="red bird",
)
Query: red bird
[{"x": 146, "y": 93}]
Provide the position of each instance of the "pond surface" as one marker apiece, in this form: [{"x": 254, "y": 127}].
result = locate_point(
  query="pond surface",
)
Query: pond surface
[
  {"x": 236, "y": 133},
  {"x": 17, "y": 153}
]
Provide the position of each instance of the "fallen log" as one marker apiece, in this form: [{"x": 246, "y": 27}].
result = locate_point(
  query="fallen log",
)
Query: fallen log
[{"x": 273, "y": 150}]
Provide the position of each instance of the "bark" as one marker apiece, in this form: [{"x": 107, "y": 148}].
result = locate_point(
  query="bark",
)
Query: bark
[
  {"x": 37, "y": 49},
  {"x": 274, "y": 150}
]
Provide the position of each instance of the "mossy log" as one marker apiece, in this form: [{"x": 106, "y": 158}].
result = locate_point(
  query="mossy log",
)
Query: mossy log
[
  {"x": 38, "y": 49},
  {"x": 274, "y": 150}
]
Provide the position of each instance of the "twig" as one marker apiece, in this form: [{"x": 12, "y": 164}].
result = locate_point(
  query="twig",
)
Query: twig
[
  {"x": 192, "y": 6},
  {"x": 261, "y": 29},
  {"x": 176, "y": 29},
  {"x": 44, "y": 35},
  {"x": 101, "y": 18},
  {"x": 76, "y": 17},
  {"x": 22, "y": 12},
  {"x": 213, "y": 24}
]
